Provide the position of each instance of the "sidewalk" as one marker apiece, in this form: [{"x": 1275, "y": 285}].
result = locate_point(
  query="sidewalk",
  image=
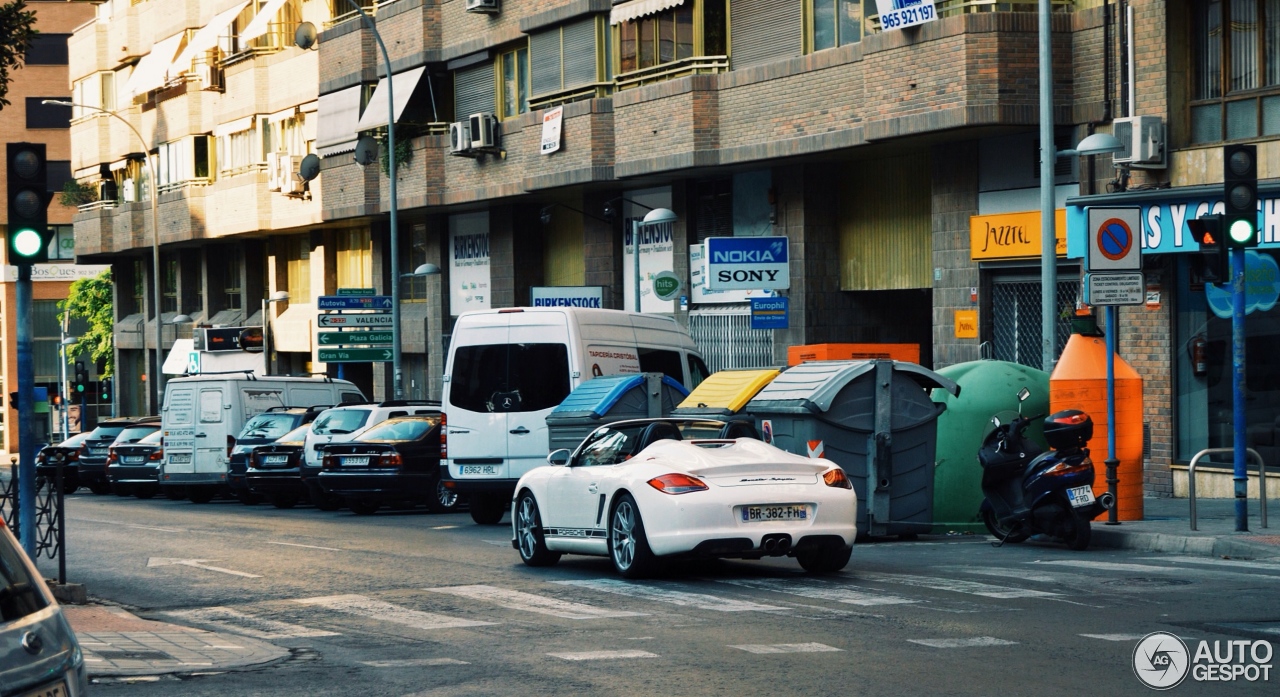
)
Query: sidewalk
[{"x": 1166, "y": 527}]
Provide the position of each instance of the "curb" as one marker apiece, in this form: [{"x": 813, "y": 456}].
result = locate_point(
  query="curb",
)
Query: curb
[{"x": 1207, "y": 545}]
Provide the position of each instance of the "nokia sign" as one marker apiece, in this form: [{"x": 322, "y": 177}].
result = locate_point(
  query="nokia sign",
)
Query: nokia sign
[{"x": 747, "y": 263}]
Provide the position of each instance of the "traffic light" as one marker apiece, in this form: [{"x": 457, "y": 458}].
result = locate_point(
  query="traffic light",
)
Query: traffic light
[
  {"x": 82, "y": 379},
  {"x": 1240, "y": 194},
  {"x": 1207, "y": 232},
  {"x": 28, "y": 236},
  {"x": 104, "y": 390}
]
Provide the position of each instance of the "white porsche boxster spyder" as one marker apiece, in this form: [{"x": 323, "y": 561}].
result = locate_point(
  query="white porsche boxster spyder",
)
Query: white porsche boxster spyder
[{"x": 641, "y": 490}]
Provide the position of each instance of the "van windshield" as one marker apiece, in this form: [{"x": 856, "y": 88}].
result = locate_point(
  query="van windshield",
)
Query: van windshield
[
  {"x": 270, "y": 426},
  {"x": 339, "y": 421},
  {"x": 509, "y": 377}
]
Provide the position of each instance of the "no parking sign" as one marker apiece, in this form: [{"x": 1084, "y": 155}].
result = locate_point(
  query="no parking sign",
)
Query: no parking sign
[{"x": 1113, "y": 239}]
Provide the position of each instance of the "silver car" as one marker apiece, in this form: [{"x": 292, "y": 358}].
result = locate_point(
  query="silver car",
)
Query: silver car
[{"x": 39, "y": 654}]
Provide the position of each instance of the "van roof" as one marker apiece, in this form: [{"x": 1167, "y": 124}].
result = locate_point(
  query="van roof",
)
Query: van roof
[
  {"x": 588, "y": 317},
  {"x": 248, "y": 377}
]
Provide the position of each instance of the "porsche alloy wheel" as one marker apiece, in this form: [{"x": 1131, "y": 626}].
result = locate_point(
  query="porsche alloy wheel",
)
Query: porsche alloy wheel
[
  {"x": 628, "y": 546},
  {"x": 529, "y": 539}
]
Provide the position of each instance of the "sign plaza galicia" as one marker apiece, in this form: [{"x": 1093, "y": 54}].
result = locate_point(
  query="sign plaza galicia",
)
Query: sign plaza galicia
[{"x": 745, "y": 263}]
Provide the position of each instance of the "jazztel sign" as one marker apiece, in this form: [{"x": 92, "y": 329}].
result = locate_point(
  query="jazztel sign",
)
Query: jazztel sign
[{"x": 747, "y": 263}]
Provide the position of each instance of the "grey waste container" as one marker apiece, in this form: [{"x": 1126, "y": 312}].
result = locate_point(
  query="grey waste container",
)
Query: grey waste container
[
  {"x": 604, "y": 400},
  {"x": 875, "y": 420}
]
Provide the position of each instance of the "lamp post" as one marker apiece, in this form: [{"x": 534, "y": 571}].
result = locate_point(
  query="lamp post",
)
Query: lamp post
[
  {"x": 655, "y": 216},
  {"x": 277, "y": 297},
  {"x": 156, "y": 384},
  {"x": 63, "y": 345}
]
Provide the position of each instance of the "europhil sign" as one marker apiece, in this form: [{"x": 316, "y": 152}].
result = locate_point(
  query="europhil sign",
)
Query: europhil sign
[
  {"x": 566, "y": 296},
  {"x": 745, "y": 263}
]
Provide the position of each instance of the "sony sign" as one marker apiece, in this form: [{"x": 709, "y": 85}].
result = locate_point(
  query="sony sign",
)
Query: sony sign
[{"x": 747, "y": 263}]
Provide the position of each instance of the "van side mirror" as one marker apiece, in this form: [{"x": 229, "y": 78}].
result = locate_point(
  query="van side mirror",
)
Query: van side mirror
[{"x": 559, "y": 457}]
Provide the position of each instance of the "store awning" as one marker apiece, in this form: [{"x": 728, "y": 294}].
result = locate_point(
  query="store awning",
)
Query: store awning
[
  {"x": 339, "y": 114},
  {"x": 205, "y": 39},
  {"x": 258, "y": 26},
  {"x": 403, "y": 84},
  {"x": 639, "y": 8},
  {"x": 152, "y": 71}
]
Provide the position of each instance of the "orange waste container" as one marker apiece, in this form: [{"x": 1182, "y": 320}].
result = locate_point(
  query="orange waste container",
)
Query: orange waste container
[{"x": 1080, "y": 382}]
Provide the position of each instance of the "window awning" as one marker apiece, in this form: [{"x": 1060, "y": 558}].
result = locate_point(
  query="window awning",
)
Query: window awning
[
  {"x": 339, "y": 113},
  {"x": 152, "y": 70},
  {"x": 242, "y": 124},
  {"x": 375, "y": 114},
  {"x": 639, "y": 8},
  {"x": 258, "y": 26},
  {"x": 206, "y": 38}
]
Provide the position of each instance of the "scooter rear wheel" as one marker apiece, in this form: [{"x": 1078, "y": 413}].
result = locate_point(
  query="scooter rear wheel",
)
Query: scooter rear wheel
[
  {"x": 1079, "y": 532},
  {"x": 995, "y": 528}
]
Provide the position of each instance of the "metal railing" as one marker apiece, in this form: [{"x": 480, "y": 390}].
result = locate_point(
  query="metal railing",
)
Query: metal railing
[
  {"x": 694, "y": 65},
  {"x": 50, "y": 509},
  {"x": 1262, "y": 481},
  {"x": 593, "y": 90}
]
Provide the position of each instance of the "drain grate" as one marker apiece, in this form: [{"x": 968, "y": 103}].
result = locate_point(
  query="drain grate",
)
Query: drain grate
[
  {"x": 1148, "y": 582},
  {"x": 120, "y": 654}
]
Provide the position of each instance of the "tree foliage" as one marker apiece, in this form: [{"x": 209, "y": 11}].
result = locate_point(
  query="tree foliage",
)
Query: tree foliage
[
  {"x": 17, "y": 29},
  {"x": 90, "y": 300}
]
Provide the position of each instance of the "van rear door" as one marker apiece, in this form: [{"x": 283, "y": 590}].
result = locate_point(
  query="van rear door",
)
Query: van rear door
[
  {"x": 477, "y": 372},
  {"x": 538, "y": 372},
  {"x": 211, "y": 428},
  {"x": 178, "y": 423}
]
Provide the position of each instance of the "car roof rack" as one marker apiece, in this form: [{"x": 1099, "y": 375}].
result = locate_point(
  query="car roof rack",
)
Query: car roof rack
[{"x": 410, "y": 403}]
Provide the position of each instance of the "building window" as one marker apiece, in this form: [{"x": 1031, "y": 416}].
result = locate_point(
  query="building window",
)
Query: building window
[
  {"x": 47, "y": 49},
  {"x": 355, "y": 259},
  {"x": 182, "y": 161},
  {"x": 832, "y": 23},
  {"x": 672, "y": 35},
  {"x": 514, "y": 72},
  {"x": 298, "y": 268},
  {"x": 139, "y": 284},
  {"x": 41, "y": 115},
  {"x": 415, "y": 288},
  {"x": 565, "y": 57},
  {"x": 231, "y": 285},
  {"x": 1236, "y": 70},
  {"x": 239, "y": 151},
  {"x": 473, "y": 90},
  {"x": 169, "y": 290},
  {"x": 98, "y": 90},
  {"x": 63, "y": 245}
]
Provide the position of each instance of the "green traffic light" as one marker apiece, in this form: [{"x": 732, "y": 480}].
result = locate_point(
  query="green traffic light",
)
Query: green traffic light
[
  {"x": 1241, "y": 232},
  {"x": 27, "y": 242},
  {"x": 79, "y": 388}
]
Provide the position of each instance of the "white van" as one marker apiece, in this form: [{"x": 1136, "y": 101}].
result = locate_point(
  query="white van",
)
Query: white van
[
  {"x": 507, "y": 369},
  {"x": 203, "y": 413}
]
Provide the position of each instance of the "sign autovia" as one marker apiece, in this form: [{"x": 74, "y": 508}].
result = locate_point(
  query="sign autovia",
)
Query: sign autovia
[{"x": 746, "y": 263}]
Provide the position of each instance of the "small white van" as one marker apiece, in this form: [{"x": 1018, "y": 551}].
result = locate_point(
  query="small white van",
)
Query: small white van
[
  {"x": 507, "y": 369},
  {"x": 203, "y": 413}
]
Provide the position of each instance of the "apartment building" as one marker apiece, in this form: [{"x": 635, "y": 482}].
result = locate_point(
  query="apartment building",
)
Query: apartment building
[
  {"x": 531, "y": 134},
  {"x": 26, "y": 119}
]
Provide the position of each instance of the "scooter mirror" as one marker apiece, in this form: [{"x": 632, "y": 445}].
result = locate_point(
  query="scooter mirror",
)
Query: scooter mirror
[
  {"x": 1023, "y": 394},
  {"x": 995, "y": 421}
]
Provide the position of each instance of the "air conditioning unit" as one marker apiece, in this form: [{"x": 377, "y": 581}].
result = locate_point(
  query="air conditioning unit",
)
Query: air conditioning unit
[
  {"x": 210, "y": 76},
  {"x": 291, "y": 183},
  {"x": 459, "y": 138},
  {"x": 273, "y": 172},
  {"x": 484, "y": 131},
  {"x": 1144, "y": 141},
  {"x": 491, "y": 7}
]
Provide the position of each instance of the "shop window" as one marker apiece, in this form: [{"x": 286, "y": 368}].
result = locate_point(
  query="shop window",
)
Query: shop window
[
  {"x": 1015, "y": 308},
  {"x": 47, "y": 49},
  {"x": 513, "y": 71},
  {"x": 415, "y": 288},
  {"x": 1235, "y": 93},
  {"x": 139, "y": 285},
  {"x": 832, "y": 23}
]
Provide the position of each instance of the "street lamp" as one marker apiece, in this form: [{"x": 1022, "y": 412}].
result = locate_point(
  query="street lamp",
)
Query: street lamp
[
  {"x": 655, "y": 216},
  {"x": 279, "y": 296},
  {"x": 422, "y": 270},
  {"x": 157, "y": 383},
  {"x": 66, "y": 343}
]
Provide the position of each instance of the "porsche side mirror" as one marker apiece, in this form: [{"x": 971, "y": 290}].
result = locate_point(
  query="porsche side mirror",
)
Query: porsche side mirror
[{"x": 558, "y": 457}]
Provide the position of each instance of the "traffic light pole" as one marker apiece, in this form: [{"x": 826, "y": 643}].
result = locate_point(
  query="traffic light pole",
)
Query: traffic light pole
[
  {"x": 26, "y": 416},
  {"x": 1239, "y": 475}
]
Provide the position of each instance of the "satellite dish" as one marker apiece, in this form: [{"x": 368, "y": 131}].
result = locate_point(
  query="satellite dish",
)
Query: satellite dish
[
  {"x": 309, "y": 168},
  {"x": 366, "y": 150},
  {"x": 305, "y": 36}
]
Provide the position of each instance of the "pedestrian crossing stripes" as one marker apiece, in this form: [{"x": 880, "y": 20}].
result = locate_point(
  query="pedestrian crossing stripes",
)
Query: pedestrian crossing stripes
[
  {"x": 965, "y": 643},
  {"x": 415, "y": 662},
  {"x": 702, "y": 601},
  {"x": 602, "y": 655},
  {"x": 820, "y": 590},
  {"x": 811, "y": 647},
  {"x": 1113, "y": 637},
  {"x": 953, "y": 585},
  {"x": 240, "y": 623},
  {"x": 519, "y": 600},
  {"x": 378, "y": 610}
]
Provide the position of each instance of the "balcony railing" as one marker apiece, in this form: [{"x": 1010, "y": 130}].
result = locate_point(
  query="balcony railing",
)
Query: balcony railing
[
  {"x": 695, "y": 65},
  {"x": 573, "y": 94},
  {"x": 279, "y": 36},
  {"x": 343, "y": 11},
  {"x": 97, "y": 205}
]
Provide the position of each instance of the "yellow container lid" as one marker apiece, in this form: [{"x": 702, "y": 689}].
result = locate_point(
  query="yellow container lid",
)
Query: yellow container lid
[{"x": 728, "y": 389}]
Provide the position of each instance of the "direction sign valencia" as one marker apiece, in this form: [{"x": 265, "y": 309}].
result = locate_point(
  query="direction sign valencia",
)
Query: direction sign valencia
[
  {"x": 359, "y": 355},
  {"x": 369, "y": 320},
  {"x": 354, "y": 302},
  {"x": 355, "y": 338}
]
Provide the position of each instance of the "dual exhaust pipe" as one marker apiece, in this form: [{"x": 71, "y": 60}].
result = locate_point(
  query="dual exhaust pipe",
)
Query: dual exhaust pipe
[{"x": 776, "y": 545}]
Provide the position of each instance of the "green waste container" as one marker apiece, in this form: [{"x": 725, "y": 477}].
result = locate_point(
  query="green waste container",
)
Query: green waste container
[
  {"x": 987, "y": 388},
  {"x": 872, "y": 418}
]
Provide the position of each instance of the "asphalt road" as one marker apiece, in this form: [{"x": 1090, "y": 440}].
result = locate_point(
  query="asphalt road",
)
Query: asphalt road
[{"x": 417, "y": 604}]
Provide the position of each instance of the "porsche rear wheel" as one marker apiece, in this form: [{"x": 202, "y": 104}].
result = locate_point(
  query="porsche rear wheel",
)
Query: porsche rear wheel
[
  {"x": 529, "y": 538},
  {"x": 628, "y": 546},
  {"x": 824, "y": 561}
]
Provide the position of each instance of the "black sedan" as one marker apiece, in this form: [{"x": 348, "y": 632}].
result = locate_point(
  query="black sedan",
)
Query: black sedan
[
  {"x": 67, "y": 454},
  {"x": 134, "y": 467},
  {"x": 95, "y": 448},
  {"x": 274, "y": 470},
  {"x": 396, "y": 461},
  {"x": 262, "y": 429}
]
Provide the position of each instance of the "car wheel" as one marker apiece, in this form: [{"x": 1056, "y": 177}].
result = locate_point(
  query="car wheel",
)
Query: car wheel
[
  {"x": 201, "y": 494},
  {"x": 487, "y": 509},
  {"x": 145, "y": 491},
  {"x": 824, "y": 561},
  {"x": 628, "y": 546},
  {"x": 100, "y": 488},
  {"x": 175, "y": 493},
  {"x": 121, "y": 489},
  {"x": 442, "y": 499},
  {"x": 69, "y": 487},
  {"x": 529, "y": 539},
  {"x": 284, "y": 500},
  {"x": 325, "y": 502},
  {"x": 364, "y": 506},
  {"x": 1001, "y": 532}
]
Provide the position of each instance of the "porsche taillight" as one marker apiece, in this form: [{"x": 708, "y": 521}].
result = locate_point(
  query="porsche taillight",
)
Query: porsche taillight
[
  {"x": 677, "y": 484},
  {"x": 837, "y": 478},
  {"x": 444, "y": 436}
]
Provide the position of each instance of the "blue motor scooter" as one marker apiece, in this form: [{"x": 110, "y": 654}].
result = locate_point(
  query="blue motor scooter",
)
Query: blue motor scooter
[{"x": 1030, "y": 492}]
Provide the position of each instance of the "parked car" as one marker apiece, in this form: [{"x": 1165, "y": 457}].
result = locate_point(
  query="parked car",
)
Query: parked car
[
  {"x": 95, "y": 448},
  {"x": 637, "y": 491},
  {"x": 274, "y": 470},
  {"x": 264, "y": 428},
  {"x": 396, "y": 461},
  {"x": 134, "y": 467},
  {"x": 341, "y": 424},
  {"x": 67, "y": 454},
  {"x": 39, "y": 653}
]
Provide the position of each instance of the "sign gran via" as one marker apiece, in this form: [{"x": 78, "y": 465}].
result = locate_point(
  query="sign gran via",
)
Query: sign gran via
[{"x": 747, "y": 263}]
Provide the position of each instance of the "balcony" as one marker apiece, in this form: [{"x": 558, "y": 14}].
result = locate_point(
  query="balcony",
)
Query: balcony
[
  {"x": 594, "y": 90},
  {"x": 694, "y": 65}
]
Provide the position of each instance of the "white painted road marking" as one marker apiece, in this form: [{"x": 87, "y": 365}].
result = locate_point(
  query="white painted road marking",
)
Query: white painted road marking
[
  {"x": 517, "y": 600},
  {"x": 820, "y": 590},
  {"x": 239, "y": 623},
  {"x": 1114, "y": 637},
  {"x": 498, "y": 543},
  {"x": 953, "y": 585},
  {"x": 196, "y": 564},
  {"x": 293, "y": 544},
  {"x": 812, "y": 647},
  {"x": 362, "y": 606},
  {"x": 1018, "y": 574},
  {"x": 1153, "y": 569},
  {"x": 701, "y": 601},
  {"x": 603, "y": 655},
  {"x": 1235, "y": 563},
  {"x": 415, "y": 662},
  {"x": 962, "y": 643}
]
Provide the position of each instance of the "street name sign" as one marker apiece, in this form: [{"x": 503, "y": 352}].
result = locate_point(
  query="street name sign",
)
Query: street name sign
[
  {"x": 358, "y": 355},
  {"x": 354, "y": 302},
  {"x": 366, "y": 338},
  {"x": 356, "y": 291},
  {"x": 1115, "y": 288},
  {"x": 747, "y": 263},
  {"x": 369, "y": 320}
]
